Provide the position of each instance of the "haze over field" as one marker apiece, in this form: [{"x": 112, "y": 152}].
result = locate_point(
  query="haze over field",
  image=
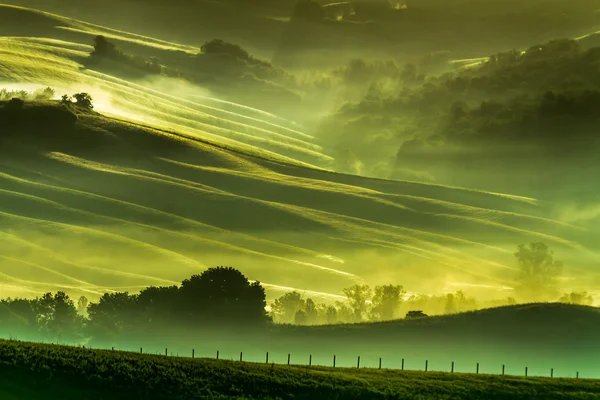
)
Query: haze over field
[{"x": 385, "y": 161}]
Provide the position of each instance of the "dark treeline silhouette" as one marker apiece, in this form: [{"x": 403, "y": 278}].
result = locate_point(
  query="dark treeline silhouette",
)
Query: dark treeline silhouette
[
  {"x": 219, "y": 298},
  {"x": 223, "y": 299}
]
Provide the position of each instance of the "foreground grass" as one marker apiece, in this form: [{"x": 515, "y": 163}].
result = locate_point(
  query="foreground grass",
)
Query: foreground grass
[{"x": 30, "y": 371}]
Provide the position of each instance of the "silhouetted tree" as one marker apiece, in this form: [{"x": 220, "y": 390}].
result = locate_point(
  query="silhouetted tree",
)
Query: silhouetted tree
[
  {"x": 311, "y": 312},
  {"x": 83, "y": 100},
  {"x": 57, "y": 316},
  {"x": 300, "y": 318},
  {"x": 82, "y": 305},
  {"x": 223, "y": 296},
  {"x": 582, "y": 298},
  {"x": 358, "y": 296},
  {"x": 158, "y": 306},
  {"x": 538, "y": 270},
  {"x": 331, "y": 315},
  {"x": 15, "y": 104},
  {"x": 285, "y": 307},
  {"x": 103, "y": 47},
  {"x": 386, "y": 300},
  {"x": 450, "y": 307},
  {"x": 113, "y": 315}
]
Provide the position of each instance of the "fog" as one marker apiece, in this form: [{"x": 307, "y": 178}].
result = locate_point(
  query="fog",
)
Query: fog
[{"x": 313, "y": 147}]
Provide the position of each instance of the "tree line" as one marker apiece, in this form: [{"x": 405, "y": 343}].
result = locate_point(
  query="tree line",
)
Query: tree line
[{"x": 223, "y": 298}]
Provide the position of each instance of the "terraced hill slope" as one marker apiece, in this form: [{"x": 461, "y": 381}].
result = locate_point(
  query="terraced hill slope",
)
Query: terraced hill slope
[
  {"x": 181, "y": 182},
  {"x": 106, "y": 204}
]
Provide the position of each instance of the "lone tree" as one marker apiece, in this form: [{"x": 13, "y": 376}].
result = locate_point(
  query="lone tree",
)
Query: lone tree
[
  {"x": 103, "y": 47},
  {"x": 83, "y": 100},
  {"x": 538, "y": 271},
  {"x": 223, "y": 296}
]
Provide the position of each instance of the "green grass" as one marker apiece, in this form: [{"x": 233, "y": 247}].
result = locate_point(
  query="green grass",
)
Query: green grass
[
  {"x": 167, "y": 206},
  {"x": 31, "y": 371}
]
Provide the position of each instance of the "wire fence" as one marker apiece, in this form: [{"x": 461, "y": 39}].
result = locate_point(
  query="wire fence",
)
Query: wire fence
[{"x": 334, "y": 363}]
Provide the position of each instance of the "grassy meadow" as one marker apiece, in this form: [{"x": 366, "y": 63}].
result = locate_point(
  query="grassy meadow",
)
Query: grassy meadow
[{"x": 32, "y": 370}]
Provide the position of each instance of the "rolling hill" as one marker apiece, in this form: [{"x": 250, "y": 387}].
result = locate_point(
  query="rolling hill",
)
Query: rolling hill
[
  {"x": 169, "y": 179},
  {"x": 33, "y": 370}
]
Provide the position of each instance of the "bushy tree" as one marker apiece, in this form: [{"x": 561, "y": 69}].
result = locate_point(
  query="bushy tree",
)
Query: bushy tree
[
  {"x": 83, "y": 100},
  {"x": 57, "y": 316},
  {"x": 358, "y": 297},
  {"x": 285, "y": 307},
  {"x": 581, "y": 298},
  {"x": 113, "y": 315},
  {"x": 538, "y": 271},
  {"x": 223, "y": 296},
  {"x": 82, "y": 305},
  {"x": 386, "y": 301}
]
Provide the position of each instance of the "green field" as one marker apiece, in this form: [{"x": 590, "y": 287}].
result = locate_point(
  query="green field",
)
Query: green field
[{"x": 30, "y": 371}]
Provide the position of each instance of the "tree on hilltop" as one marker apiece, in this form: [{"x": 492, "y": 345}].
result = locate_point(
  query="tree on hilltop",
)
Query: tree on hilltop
[
  {"x": 358, "y": 297},
  {"x": 386, "y": 300},
  {"x": 223, "y": 296},
  {"x": 538, "y": 271},
  {"x": 83, "y": 100}
]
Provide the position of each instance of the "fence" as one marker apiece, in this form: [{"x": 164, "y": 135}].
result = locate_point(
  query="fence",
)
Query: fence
[{"x": 380, "y": 364}]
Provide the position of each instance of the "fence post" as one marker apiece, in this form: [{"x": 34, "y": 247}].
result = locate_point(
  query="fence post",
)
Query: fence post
[
  {"x": 113, "y": 348},
  {"x": 267, "y": 359},
  {"x": 334, "y": 361},
  {"x": 358, "y": 362},
  {"x": 403, "y": 364},
  {"x": 241, "y": 356},
  {"x": 141, "y": 350},
  {"x": 379, "y": 362},
  {"x": 217, "y": 354},
  {"x": 193, "y": 353},
  {"x": 166, "y": 354},
  {"x": 477, "y": 368},
  {"x": 310, "y": 360},
  {"x": 288, "y": 358},
  {"x": 502, "y": 369},
  {"x": 577, "y": 376},
  {"x": 525, "y": 371},
  {"x": 452, "y": 370},
  {"x": 426, "y": 365},
  {"x": 551, "y": 372}
]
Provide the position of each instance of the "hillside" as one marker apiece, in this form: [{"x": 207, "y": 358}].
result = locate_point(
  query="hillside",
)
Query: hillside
[
  {"x": 371, "y": 28},
  {"x": 33, "y": 370},
  {"x": 167, "y": 205}
]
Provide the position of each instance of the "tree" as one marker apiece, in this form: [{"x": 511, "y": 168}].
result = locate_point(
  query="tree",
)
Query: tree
[
  {"x": 222, "y": 296},
  {"x": 285, "y": 307},
  {"x": 57, "y": 316},
  {"x": 82, "y": 305},
  {"x": 158, "y": 306},
  {"x": 113, "y": 315},
  {"x": 310, "y": 309},
  {"x": 386, "y": 301},
  {"x": 15, "y": 104},
  {"x": 83, "y": 100},
  {"x": 103, "y": 47},
  {"x": 538, "y": 271},
  {"x": 450, "y": 306},
  {"x": 331, "y": 315},
  {"x": 358, "y": 296},
  {"x": 582, "y": 298},
  {"x": 300, "y": 318}
]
